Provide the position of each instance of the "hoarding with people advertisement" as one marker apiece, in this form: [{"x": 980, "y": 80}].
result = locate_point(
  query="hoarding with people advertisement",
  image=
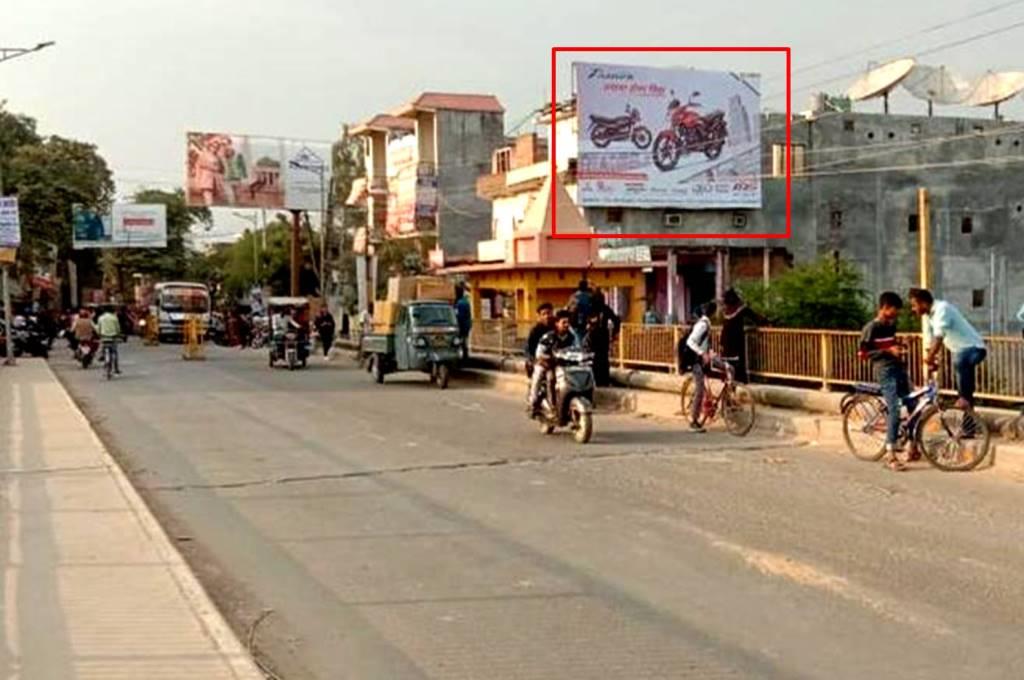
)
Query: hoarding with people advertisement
[
  {"x": 668, "y": 138},
  {"x": 242, "y": 171}
]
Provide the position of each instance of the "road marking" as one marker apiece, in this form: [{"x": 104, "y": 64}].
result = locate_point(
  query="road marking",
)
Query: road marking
[
  {"x": 473, "y": 407},
  {"x": 804, "y": 574}
]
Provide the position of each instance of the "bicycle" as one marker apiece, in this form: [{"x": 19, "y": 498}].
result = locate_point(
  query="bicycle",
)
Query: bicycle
[
  {"x": 945, "y": 435},
  {"x": 108, "y": 357},
  {"x": 733, "y": 401}
]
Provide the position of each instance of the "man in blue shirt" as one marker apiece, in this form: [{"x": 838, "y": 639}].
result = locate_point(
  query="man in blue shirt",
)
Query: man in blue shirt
[
  {"x": 943, "y": 324},
  {"x": 464, "y": 317}
]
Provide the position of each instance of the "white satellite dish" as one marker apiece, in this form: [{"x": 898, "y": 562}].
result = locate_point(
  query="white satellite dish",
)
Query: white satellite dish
[
  {"x": 936, "y": 85},
  {"x": 880, "y": 81},
  {"x": 992, "y": 89}
]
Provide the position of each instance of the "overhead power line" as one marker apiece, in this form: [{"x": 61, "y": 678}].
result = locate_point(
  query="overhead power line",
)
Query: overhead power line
[
  {"x": 894, "y": 41},
  {"x": 931, "y": 50}
]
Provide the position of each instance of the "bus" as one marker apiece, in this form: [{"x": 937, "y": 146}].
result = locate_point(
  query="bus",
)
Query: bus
[{"x": 176, "y": 301}]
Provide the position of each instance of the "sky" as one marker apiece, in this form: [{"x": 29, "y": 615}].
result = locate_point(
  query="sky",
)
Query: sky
[{"x": 132, "y": 76}]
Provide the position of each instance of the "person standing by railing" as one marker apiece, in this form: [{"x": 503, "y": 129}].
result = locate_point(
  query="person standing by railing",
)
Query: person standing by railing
[
  {"x": 734, "y": 332},
  {"x": 943, "y": 324}
]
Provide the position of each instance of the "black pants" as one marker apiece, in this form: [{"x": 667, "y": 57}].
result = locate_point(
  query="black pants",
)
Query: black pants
[{"x": 326, "y": 339}]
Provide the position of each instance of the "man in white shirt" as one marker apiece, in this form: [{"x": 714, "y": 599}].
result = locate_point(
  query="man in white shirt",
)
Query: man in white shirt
[
  {"x": 697, "y": 352},
  {"x": 942, "y": 324}
]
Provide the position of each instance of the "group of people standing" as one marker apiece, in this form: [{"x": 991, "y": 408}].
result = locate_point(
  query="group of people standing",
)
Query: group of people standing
[{"x": 944, "y": 327}]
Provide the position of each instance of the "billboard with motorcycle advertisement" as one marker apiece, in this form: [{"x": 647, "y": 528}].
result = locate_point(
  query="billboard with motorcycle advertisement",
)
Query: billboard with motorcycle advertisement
[{"x": 668, "y": 138}]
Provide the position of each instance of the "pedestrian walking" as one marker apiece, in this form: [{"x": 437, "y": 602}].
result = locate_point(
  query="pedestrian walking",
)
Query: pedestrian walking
[
  {"x": 879, "y": 344},
  {"x": 464, "y": 317},
  {"x": 325, "y": 328},
  {"x": 737, "y": 316},
  {"x": 944, "y": 325}
]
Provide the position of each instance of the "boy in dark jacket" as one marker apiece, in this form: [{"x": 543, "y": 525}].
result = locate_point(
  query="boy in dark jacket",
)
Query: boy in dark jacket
[{"x": 879, "y": 344}]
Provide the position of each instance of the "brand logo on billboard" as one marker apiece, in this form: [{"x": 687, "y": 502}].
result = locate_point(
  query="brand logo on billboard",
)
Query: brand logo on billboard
[
  {"x": 601, "y": 73},
  {"x": 307, "y": 160}
]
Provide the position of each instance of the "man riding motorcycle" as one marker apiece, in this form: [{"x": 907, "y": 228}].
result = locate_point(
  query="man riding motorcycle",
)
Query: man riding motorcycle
[
  {"x": 85, "y": 333},
  {"x": 562, "y": 337}
]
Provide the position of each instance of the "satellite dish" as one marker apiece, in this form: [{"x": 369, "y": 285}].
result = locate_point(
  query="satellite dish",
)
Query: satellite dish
[
  {"x": 994, "y": 88},
  {"x": 936, "y": 85},
  {"x": 880, "y": 81}
]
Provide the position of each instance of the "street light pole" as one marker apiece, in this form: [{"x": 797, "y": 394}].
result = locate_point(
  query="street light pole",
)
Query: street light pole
[{"x": 7, "y": 53}]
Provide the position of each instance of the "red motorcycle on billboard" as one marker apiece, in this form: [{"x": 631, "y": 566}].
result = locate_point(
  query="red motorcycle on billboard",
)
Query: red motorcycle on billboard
[
  {"x": 689, "y": 132},
  {"x": 604, "y": 131}
]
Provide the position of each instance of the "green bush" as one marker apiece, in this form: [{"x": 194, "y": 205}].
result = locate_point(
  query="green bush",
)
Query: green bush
[{"x": 824, "y": 294}]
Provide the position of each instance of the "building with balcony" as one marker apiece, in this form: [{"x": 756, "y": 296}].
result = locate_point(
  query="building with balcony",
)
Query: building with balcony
[{"x": 422, "y": 161}]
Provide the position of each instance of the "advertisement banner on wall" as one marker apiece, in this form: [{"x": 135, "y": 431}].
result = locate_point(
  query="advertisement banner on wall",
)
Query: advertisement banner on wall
[
  {"x": 129, "y": 225},
  {"x": 242, "y": 171},
  {"x": 668, "y": 138},
  {"x": 10, "y": 222},
  {"x": 402, "y": 181}
]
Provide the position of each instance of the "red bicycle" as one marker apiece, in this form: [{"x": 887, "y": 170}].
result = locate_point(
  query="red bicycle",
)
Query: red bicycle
[{"x": 732, "y": 401}]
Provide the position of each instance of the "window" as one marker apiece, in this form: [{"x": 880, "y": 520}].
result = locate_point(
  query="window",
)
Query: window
[
  {"x": 836, "y": 220},
  {"x": 871, "y": 135},
  {"x": 739, "y": 220},
  {"x": 999, "y": 142},
  {"x": 978, "y": 298},
  {"x": 891, "y": 135},
  {"x": 614, "y": 215},
  {"x": 797, "y": 160},
  {"x": 966, "y": 224},
  {"x": 847, "y": 125},
  {"x": 912, "y": 223},
  {"x": 502, "y": 161}
]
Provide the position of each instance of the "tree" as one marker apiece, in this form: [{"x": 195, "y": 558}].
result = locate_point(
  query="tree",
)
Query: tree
[
  {"x": 16, "y": 130},
  {"x": 824, "y": 294},
  {"x": 172, "y": 262},
  {"x": 49, "y": 177}
]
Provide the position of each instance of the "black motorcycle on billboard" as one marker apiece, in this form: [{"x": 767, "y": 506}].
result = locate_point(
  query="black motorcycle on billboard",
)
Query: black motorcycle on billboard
[
  {"x": 689, "y": 131},
  {"x": 627, "y": 128}
]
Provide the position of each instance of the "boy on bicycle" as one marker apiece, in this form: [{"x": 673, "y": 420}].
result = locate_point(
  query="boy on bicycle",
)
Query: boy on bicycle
[{"x": 879, "y": 344}]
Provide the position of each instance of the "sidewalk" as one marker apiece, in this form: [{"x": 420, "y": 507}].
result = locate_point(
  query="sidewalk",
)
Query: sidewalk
[{"x": 92, "y": 586}]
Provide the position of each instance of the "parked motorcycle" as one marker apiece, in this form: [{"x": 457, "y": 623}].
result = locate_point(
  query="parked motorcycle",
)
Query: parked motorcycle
[
  {"x": 604, "y": 131},
  {"x": 30, "y": 338},
  {"x": 689, "y": 132},
  {"x": 572, "y": 403}
]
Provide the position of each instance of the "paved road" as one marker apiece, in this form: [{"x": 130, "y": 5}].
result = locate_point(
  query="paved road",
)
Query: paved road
[{"x": 398, "y": 531}]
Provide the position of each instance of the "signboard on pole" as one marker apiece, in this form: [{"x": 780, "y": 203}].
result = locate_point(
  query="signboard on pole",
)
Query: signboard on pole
[
  {"x": 243, "y": 171},
  {"x": 10, "y": 222},
  {"x": 668, "y": 138},
  {"x": 129, "y": 225}
]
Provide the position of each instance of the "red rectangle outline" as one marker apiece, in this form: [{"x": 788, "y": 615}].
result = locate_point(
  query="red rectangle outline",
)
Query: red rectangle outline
[{"x": 789, "y": 144}]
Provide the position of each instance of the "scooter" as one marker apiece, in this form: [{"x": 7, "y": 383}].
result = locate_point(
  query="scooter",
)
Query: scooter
[
  {"x": 85, "y": 352},
  {"x": 572, "y": 402}
]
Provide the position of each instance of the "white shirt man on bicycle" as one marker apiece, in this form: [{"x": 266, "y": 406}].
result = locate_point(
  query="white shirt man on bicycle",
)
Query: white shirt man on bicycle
[{"x": 695, "y": 355}]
